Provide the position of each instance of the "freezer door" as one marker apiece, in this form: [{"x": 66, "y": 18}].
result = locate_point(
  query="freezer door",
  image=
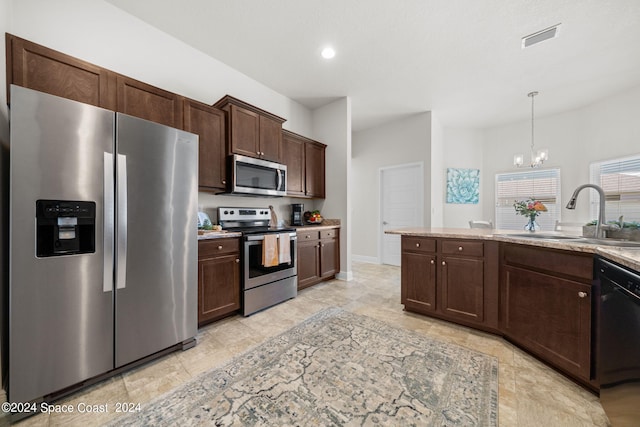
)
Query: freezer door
[
  {"x": 60, "y": 307},
  {"x": 156, "y": 237}
]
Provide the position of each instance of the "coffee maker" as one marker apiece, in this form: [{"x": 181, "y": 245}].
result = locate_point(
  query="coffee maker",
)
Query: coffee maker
[{"x": 297, "y": 217}]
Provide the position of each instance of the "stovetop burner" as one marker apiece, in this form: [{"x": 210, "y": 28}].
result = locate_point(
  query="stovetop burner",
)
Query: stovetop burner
[{"x": 249, "y": 221}]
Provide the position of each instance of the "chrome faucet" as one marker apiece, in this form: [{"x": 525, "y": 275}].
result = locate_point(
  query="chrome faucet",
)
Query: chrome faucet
[{"x": 600, "y": 226}]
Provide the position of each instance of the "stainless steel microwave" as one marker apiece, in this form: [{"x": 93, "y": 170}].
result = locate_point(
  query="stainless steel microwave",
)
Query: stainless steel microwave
[{"x": 257, "y": 177}]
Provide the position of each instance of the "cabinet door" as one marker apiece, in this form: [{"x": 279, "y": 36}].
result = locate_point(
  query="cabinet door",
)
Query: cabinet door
[
  {"x": 218, "y": 287},
  {"x": 270, "y": 137},
  {"x": 418, "y": 281},
  {"x": 148, "y": 102},
  {"x": 244, "y": 132},
  {"x": 293, "y": 156},
  {"x": 208, "y": 123},
  {"x": 314, "y": 167},
  {"x": 550, "y": 316},
  {"x": 308, "y": 263},
  {"x": 37, "y": 67},
  {"x": 462, "y": 288},
  {"x": 329, "y": 260}
]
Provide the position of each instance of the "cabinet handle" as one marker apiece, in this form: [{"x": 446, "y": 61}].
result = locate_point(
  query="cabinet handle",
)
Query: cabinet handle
[
  {"x": 224, "y": 181},
  {"x": 460, "y": 248},
  {"x": 237, "y": 260},
  {"x": 322, "y": 245},
  {"x": 432, "y": 262},
  {"x": 220, "y": 247},
  {"x": 444, "y": 263},
  {"x": 417, "y": 245},
  {"x": 582, "y": 294},
  {"x": 307, "y": 236}
]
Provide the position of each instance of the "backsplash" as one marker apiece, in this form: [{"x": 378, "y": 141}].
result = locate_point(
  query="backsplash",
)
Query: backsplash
[{"x": 209, "y": 204}]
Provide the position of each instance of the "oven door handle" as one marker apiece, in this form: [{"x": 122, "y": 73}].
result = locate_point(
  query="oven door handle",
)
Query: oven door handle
[{"x": 292, "y": 236}]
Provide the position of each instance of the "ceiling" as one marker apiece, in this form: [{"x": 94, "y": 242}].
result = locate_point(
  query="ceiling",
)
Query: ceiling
[{"x": 461, "y": 59}]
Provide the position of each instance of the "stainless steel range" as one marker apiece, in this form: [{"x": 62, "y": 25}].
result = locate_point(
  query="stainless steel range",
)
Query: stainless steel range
[{"x": 269, "y": 272}]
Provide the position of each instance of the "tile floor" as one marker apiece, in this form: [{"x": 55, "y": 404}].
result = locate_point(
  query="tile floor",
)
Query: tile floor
[{"x": 530, "y": 394}]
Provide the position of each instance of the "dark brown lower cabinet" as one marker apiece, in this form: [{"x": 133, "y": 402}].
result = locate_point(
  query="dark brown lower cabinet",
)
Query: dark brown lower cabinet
[
  {"x": 451, "y": 279},
  {"x": 545, "y": 299},
  {"x": 218, "y": 279},
  {"x": 318, "y": 256}
]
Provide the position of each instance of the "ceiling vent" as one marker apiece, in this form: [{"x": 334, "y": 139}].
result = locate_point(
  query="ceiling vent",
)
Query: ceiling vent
[{"x": 540, "y": 36}]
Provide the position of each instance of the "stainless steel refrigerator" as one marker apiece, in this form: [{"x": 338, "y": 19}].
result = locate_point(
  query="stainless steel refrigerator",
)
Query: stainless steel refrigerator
[{"x": 103, "y": 241}]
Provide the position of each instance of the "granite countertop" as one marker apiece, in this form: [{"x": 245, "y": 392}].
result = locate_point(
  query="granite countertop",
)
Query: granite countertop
[
  {"x": 208, "y": 235},
  {"x": 629, "y": 257},
  {"x": 326, "y": 225}
]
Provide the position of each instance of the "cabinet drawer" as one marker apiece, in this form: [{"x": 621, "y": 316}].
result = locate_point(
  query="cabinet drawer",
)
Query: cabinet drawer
[
  {"x": 558, "y": 262},
  {"x": 213, "y": 247},
  {"x": 458, "y": 247},
  {"x": 420, "y": 244},
  {"x": 308, "y": 235},
  {"x": 328, "y": 234}
]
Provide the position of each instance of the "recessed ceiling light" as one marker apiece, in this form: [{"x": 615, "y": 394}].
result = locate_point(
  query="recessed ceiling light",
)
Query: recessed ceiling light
[
  {"x": 328, "y": 53},
  {"x": 540, "y": 36}
]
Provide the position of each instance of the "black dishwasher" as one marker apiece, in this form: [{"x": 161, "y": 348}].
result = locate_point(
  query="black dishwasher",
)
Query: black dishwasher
[{"x": 617, "y": 362}]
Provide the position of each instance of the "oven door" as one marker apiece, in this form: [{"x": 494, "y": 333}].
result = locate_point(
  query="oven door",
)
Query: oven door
[
  {"x": 258, "y": 177},
  {"x": 256, "y": 274}
]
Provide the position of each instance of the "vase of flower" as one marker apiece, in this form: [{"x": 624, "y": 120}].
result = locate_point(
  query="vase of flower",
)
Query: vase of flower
[
  {"x": 531, "y": 209},
  {"x": 532, "y": 225}
]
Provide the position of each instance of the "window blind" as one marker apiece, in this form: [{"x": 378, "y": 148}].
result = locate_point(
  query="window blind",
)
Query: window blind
[
  {"x": 539, "y": 184},
  {"x": 620, "y": 180}
]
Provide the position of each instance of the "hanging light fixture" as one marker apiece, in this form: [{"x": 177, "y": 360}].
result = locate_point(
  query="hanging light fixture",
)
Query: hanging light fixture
[{"x": 537, "y": 158}]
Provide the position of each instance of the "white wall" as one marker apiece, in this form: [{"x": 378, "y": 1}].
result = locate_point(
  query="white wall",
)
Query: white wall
[
  {"x": 332, "y": 126},
  {"x": 464, "y": 150},
  {"x": 437, "y": 178},
  {"x": 400, "y": 142},
  {"x": 607, "y": 129}
]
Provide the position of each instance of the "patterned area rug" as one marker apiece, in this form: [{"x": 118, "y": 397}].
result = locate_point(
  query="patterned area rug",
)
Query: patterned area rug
[{"x": 338, "y": 368}]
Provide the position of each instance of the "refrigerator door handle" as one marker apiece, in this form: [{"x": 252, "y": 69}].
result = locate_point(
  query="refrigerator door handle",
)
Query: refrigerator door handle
[
  {"x": 121, "y": 192},
  {"x": 108, "y": 210}
]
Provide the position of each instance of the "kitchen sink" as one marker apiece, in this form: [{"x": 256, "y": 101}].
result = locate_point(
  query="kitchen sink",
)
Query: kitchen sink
[
  {"x": 574, "y": 239},
  {"x": 543, "y": 236}
]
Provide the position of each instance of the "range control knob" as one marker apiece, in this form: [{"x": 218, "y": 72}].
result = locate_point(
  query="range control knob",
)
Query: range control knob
[{"x": 226, "y": 212}]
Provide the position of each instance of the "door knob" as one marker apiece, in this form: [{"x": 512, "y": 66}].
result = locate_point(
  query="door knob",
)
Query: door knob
[{"x": 582, "y": 294}]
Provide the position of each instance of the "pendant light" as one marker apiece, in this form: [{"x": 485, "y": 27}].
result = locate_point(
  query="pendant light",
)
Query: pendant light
[{"x": 539, "y": 157}]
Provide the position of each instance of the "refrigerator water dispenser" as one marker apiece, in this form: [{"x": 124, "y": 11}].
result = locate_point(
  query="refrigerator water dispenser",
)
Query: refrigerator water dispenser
[{"x": 65, "y": 227}]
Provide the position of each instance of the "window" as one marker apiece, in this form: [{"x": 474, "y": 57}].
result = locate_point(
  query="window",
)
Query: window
[
  {"x": 620, "y": 180},
  {"x": 539, "y": 184}
]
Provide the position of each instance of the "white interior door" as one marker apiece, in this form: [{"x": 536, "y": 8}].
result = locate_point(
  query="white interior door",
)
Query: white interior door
[{"x": 401, "y": 205}]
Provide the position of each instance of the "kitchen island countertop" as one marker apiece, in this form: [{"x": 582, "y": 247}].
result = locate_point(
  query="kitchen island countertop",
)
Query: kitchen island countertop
[{"x": 629, "y": 257}]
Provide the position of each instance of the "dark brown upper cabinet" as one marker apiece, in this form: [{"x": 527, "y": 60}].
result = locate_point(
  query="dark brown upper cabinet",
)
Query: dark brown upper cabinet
[
  {"x": 37, "y": 67},
  {"x": 305, "y": 160},
  {"x": 292, "y": 150},
  {"x": 314, "y": 154},
  {"x": 148, "y": 102},
  {"x": 208, "y": 123},
  {"x": 251, "y": 131}
]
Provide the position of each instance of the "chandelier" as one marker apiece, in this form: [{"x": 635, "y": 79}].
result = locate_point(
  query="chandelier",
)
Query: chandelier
[{"x": 537, "y": 158}]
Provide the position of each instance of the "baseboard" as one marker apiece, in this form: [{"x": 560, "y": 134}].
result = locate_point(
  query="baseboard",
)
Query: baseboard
[
  {"x": 345, "y": 275},
  {"x": 364, "y": 258}
]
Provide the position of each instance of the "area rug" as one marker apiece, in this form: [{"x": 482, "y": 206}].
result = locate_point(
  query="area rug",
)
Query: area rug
[{"x": 338, "y": 368}]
